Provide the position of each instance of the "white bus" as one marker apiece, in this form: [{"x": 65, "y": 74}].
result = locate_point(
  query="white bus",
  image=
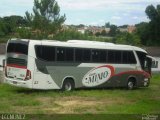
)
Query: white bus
[{"x": 73, "y": 64}]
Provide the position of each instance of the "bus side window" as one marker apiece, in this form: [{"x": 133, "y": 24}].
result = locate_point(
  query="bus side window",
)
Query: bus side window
[
  {"x": 78, "y": 55},
  {"x": 102, "y": 56},
  {"x": 99, "y": 56},
  {"x": 69, "y": 54},
  {"x": 131, "y": 57},
  {"x": 95, "y": 56},
  {"x": 60, "y": 54},
  {"x": 128, "y": 57},
  {"x": 86, "y": 55},
  {"x": 118, "y": 57},
  {"x": 46, "y": 53},
  {"x": 114, "y": 56},
  {"x": 111, "y": 56}
]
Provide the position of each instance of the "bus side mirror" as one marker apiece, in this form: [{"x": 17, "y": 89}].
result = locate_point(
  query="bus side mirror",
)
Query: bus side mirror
[{"x": 154, "y": 64}]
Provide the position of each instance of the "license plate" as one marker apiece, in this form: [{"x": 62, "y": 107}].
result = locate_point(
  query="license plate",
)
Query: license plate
[{"x": 14, "y": 82}]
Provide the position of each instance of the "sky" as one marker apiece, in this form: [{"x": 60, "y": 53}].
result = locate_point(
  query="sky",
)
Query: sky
[{"x": 88, "y": 12}]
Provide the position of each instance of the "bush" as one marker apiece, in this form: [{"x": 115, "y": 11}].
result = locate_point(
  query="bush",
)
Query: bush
[{"x": 128, "y": 38}]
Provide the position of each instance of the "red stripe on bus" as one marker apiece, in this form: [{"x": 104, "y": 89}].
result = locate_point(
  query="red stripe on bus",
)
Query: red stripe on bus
[
  {"x": 110, "y": 67},
  {"x": 16, "y": 66},
  {"x": 134, "y": 72}
]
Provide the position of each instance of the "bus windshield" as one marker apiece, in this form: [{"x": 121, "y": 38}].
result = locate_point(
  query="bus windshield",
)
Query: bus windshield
[
  {"x": 145, "y": 61},
  {"x": 148, "y": 65}
]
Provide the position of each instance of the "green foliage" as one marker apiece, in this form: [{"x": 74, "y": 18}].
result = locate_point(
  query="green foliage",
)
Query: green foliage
[
  {"x": 2, "y": 29},
  {"x": 150, "y": 32},
  {"x": 70, "y": 34},
  {"x": 103, "y": 33},
  {"x": 98, "y": 34},
  {"x": 127, "y": 38},
  {"x": 24, "y": 33},
  {"x": 113, "y": 30},
  {"x": 12, "y": 22},
  {"x": 89, "y": 33},
  {"x": 143, "y": 32},
  {"x": 8, "y": 25},
  {"x": 46, "y": 17},
  {"x": 107, "y": 25}
]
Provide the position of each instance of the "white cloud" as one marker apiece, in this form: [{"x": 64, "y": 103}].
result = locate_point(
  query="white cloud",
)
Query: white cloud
[
  {"x": 17, "y": 2},
  {"x": 104, "y": 4},
  {"x": 136, "y": 17},
  {"x": 116, "y": 18},
  {"x": 94, "y": 12}
]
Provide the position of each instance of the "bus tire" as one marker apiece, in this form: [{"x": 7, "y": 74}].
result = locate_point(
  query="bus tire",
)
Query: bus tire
[
  {"x": 131, "y": 84},
  {"x": 68, "y": 85}
]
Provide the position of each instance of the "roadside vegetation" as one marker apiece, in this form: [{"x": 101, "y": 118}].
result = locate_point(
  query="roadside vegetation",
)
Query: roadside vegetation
[{"x": 95, "y": 101}]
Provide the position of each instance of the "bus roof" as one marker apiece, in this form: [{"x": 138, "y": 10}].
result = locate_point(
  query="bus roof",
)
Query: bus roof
[{"x": 84, "y": 44}]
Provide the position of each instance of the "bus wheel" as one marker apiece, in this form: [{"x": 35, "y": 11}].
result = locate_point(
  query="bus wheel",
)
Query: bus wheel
[
  {"x": 131, "y": 84},
  {"x": 68, "y": 85}
]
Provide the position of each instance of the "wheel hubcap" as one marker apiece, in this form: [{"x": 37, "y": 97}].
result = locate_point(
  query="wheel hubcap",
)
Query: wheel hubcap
[
  {"x": 68, "y": 87},
  {"x": 130, "y": 85}
]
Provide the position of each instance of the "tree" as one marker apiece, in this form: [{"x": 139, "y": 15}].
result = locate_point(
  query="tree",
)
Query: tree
[
  {"x": 113, "y": 30},
  {"x": 107, "y": 25},
  {"x": 12, "y": 22},
  {"x": 154, "y": 24},
  {"x": 89, "y": 33},
  {"x": 97, "y": 34},
  {"x": 46, "y": 17},
  {"x": 142, "y": 30},
  {"x": 103, "y": 33}
]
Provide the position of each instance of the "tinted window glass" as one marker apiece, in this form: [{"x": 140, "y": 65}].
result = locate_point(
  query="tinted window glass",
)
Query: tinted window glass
[
  {"x": 18, "y": 48},
  {"x": 125, "y": 57},
  {"x": 111, "y": 56},
  {"x": 128, "y": 57},
  {"x": 78, "y": 54},
  {"x": 118, "y": 57},
  {"x": 46, "y": 53},
  {"x": 86, "y": 55},
  {"x": 114, "y": 56},
  {"x": 142, "y": 57},
  {"x": 82, "y": 55},
  {"x": 103, "y": 56},
  {"x": 95, "y": 55},
  {"x": 65, "y": 54},
  {"x": 131, "y": 58},
  {"x": 99, "y": 56},
  {"x": 69, "y": 54},
  {"x": 60, "y": 54}
]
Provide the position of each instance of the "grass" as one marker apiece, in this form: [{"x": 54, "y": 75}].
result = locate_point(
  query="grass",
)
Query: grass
[{"x": 79, "y": 102}]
